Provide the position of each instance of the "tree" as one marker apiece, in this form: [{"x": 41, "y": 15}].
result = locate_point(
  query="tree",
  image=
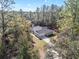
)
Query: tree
[
  {"x": 43, "y": 13},
  {"x": 37, "y": 11},
  {"x": 46, "y": 16},
  {"x": 69, "y": 22},
  {"x": 74, "y": 7},
  {"x": 21, "y": 12},
  {"x": 68, "y": 45},
  {"x": 25, "y": 42},
  {"x": 53, "y": 16},
  {"x": 30, "y": 15},
  {"x": 5, "y": 7}
]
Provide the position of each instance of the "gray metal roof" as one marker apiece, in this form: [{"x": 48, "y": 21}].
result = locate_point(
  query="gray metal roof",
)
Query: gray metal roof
[{"x": 41, "y": 32}]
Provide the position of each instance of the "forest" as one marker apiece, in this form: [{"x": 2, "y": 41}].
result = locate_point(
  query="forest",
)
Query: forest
[{"x": 18, "y": 42}]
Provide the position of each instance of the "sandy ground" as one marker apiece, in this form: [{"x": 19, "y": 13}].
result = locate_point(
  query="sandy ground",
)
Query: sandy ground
[
  {"x": 40, "y": 45},
  {"x": 42, "y": 53}
]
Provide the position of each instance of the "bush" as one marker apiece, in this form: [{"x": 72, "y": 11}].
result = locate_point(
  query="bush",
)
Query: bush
[{"x": 68, "y": 49}]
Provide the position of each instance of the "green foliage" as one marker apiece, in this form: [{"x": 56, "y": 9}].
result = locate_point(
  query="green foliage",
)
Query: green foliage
[
  {"x": 69, "y": 25},
  {"x": 69, "y": 18},
  {"x": 1, "y": 50},
  {"x": 26, "y": 48},
  {"x": 19, "y": 39},
  {"x": 24, "y": 43}
]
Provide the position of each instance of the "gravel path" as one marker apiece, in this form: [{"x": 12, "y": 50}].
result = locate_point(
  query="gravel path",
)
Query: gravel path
[{"x": 55, "y": 53}]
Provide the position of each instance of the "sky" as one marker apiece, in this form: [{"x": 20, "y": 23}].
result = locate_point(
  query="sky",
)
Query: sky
[{"x": 31, "y": 5}]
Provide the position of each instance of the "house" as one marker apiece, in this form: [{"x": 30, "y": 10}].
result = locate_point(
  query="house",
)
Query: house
[{"x": 42, "y": 32}]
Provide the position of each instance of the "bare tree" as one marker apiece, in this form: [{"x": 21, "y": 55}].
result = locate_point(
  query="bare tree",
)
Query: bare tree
[
  {"x": 37, "y": 11},
  {"x": 21, "y": 12}
]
